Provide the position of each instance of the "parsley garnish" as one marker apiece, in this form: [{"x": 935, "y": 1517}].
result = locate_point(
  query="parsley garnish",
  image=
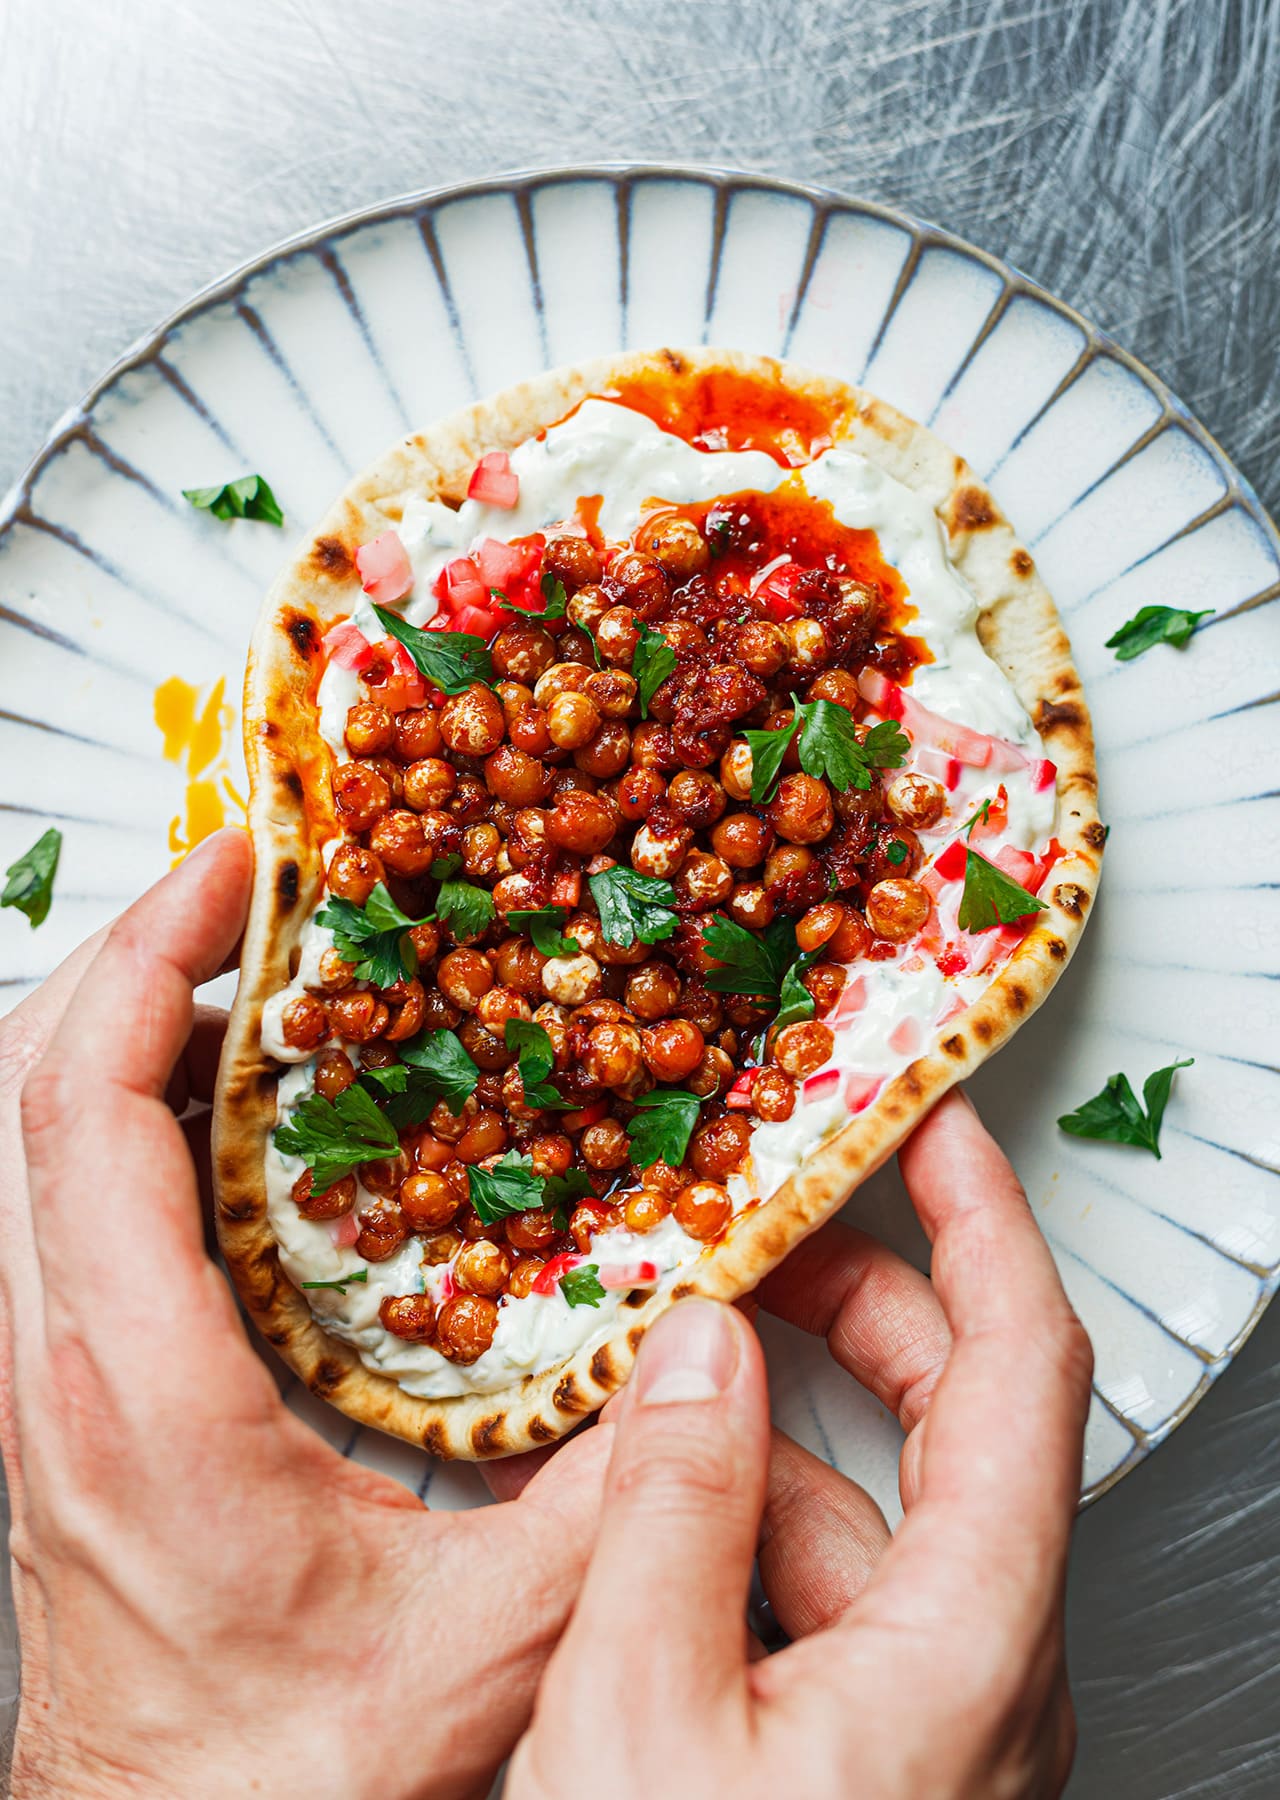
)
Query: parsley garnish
[
  {"x": 543, "y": 924},
  {"x": 633, "y": 906},
  {"x": 767, "y": 751},
  {"x": 450, "y": 660},
  {"x": 581, "y": 1286},
  {"x": 333, "y": 1137},
  {"x": 248, "y": 498},
  {"x": 662, "y": 1127},
  {"x": 829, "y": 745},
  {"x": 991, "y": 897},
  {"x": 1154, "y": 625},
  {"x": 535, "y": 1061},
  {"x": 374, "y": 937},
  {"x": 553, "y": 595},
  {"x": 560, "y": 1191},
  {"x": 406, "y": 1098},
  {"x": 752, "y": 962},
  {"x": 896, "y": 852},
  {"x": 467, "y": 910},
  {"x": 979, "y": 818},
  {"x": 29, "y": 886},
  {"x": 435, "y": 1067},
  {"x": 651, "y": 662},
  {"x": 509, "y": 1187},
  {"x": 342, "y": 1283},
  {"x": 794, "y": 999},
  {"x": 1116, "y": 1116}
]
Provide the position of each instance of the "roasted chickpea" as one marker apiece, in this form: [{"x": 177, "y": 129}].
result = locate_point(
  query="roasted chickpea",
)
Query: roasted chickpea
[
  {"x": 663, "y": 1179},
  {"x": 449, "y": 1126},
  {"x": 714, "y": 1074},
  {"x": 465, "y": 1326},
  {"x": 735, "y": 770},
  {"x": 485, "y": 1136},
  {"x": 785, "y": 861},
  {"x": 807, "y": 646},
  {"x": 417, "y": 734},
  {"x": 400, "y": 839},
  {"x": 587, "y": 607},
  {"x": 825, "y": 981},
  {"x": 523, "y": 1276},
  {"x": 643, "y": 1210},
  {"x": 590, "y": 1218},
  {"x": 703, "y": 1209},
  {"x": 515, "y": 777},
  {"x": 408, "y": 1002},
  {"x": 381, "y": 1233},
  {"x": 571, "y": 980},
  {"x": 551, "y": 1153},
  {"x": 676, "y": 544},
  {"x": 360, "y": 794},
  {"x": 897, "y": 909},
  {"x": 513, "y": 695},
  {"x": 838, "y": 686},
  {"x": 660, "y": 853},
  {"x": 801, "y": 811},
  {"x": 819, "y": 925},
  {"x": 716, "y": 1148},
  {"x": 571, "y": 559},
  {"x": 334, "y": 1074},
  {"x": 472, "y": 723},
  {"x": 334, "y": 974},
  {"x": 702, "y": 1008},
  {"x": 742, "y": 840},
  {"x": 604, "y": 1145},
  {"x": 370, "y": 729},
  {"x": 518, "y": 965},
  {"x": 471, "y": 800},
  {"x": 672, "y": 1049},
  {"x": 653, "y": 991},
  {"x": 613, "y": 692},
  {"x": 331, "y": 1204},
  {"x": 773, "y": 1096},
  {"x": 523, "y": 652},
  {"x": 583, "y": 823},
  {"x": 760, "y": 647},
  {"x": 535, "y": 1230},
  {"x": 480, "y": 847},
  {"x": 486, "y": 1049},
  {"x": 409, "y": 1316},
  {"x": 652, "y": 747},
  {"x": 429, "y": 783},
  {"x": 354, "y": 873},
  {"x": 800, "y": 1049},
  {"x": 441, "y": 1247},
  {"x": 617, "y": 635},
  {"x": 464, "y": 977},
  {"x": 703, "y": 880},
  {"x": 482, "y": 1267},
  {"x": 612, "y": 1055},
  {"x": 915, "y": 800},
  {"x": 560, "y": 678},
  {"x": 751, "y": 906},
  {"x": 359, "y": 1017},
  {"x": 572, "y": 720},
  {"x": 895, "y": 853},
  {"x": 499, "y": 1005},
  {"x": 608, "y": 752},
  {"x": 527, "y": 729},
  {"x": 852, "y": 938},
  {"x": 639, "y": 581},
  {"x": 304, "y": 1023},
  {"x": 427, "y": 1200}
]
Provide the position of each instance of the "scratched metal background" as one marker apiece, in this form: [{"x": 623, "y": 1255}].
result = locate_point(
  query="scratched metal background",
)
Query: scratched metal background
[{"x": 1126, "y": 153}]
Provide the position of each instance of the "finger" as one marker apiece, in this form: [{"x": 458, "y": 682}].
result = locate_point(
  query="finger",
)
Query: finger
[
  {"x": 820, "y": 1539},
  {"x": 196, "y": 1070},
  {"x": 880, "y": 1317},
  {"x": 98, "y": 1091},
  {"x": 680, "y": 1522}
]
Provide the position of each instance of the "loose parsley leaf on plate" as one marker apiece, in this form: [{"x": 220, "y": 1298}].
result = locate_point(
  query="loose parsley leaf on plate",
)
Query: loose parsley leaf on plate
[
  {"x": 1116, "y": 1115},
  {"x": 581, "y": 1286},
  {"x": 333, "y": 1136},
  {"x": 374, "y": 937},
  {"x": 652, "y": 661},
  {"x": 29, "y": 886},
  {"x": 767, "y": 751},
  {"x": 553, "y": 595},
  {"x": 342, "y": 1283},
  {"x": 1154, "y": 625},
  {"x": 633, "y": 906},
  {"x": 991, "y": 897},
  {"x": 752, "y": 962},
  {"x": 439, "y": 1062},
  {"x": 450, "y": 660},
  {"x": 509, "y": 1187},
  {"x": 829, "y": 745},
  {"x": 543, "y": 924},
  {"x": 535, "y": 1061},
  {"x": 247, "y": 498},
  {"x": 467, "y": 910},
  {"x": 662, "y": 1127}
]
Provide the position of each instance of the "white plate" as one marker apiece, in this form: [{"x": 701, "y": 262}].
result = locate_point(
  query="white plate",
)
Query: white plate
[{"x": 304, "y": 365}]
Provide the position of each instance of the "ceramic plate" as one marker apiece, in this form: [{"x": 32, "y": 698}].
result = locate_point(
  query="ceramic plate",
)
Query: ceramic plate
[{"x": 124, "y": 616}]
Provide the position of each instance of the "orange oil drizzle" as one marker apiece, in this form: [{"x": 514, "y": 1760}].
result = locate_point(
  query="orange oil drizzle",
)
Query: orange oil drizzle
[{"x": 195, "y": 732}]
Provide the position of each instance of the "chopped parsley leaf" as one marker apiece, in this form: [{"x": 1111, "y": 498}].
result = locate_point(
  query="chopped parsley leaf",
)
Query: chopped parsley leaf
[
  {"x": 991, "y": 897},
  {"x": 509, "y": 1187},
  {"x": 751, "y": 962},
  {"x": 535, "y": 1061},
  {"x": 581, "y": 1286},
  {"x": 651, "y": 662},
  {"x": 374, "y": 937},
  {"x": 333, "y": 1137},
  {"x": 465, "y": 909},
  {"x": 633, "y": 906},
  {"x": 662, "y": 1127},
  {"x": 451, "y": 660},
  {"x": 829, "y": 745},
  {"x": 29, "y": 886},
  {"x": 341, "y": 1284},
  {"x": 553, "y": 595},
  {"x": 768, "y": 748},
  {"x": 544, "y": 924}
]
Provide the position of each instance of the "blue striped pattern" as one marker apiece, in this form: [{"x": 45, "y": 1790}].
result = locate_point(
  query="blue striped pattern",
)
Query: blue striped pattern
[{"x": 304, "y": 365}]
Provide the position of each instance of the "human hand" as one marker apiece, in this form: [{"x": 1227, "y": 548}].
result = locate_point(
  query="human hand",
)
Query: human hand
[
  {"x": 931, "y": 1664},
  {"x": 210, "y": 1600}
]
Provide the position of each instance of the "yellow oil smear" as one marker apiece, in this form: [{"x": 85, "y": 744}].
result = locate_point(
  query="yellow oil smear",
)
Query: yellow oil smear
[{"x": 195, "y": 729}]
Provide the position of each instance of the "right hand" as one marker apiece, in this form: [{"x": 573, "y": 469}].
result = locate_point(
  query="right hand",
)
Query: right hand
[{"x": 928, "y": 1664}]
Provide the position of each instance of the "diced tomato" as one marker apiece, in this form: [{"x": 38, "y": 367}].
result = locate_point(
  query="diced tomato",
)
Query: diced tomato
[
  {"x": 439, "y": 621},
  {"x": 876, "y": 689},
  {"x": 478, "y": 620},
  {"x": 1005, "y": 757},
  {"x": 942, "y": 767},
  {"x": 386, "y": 574},
  {"x": 997, "y": 817},
  {"x": 853, "y": 997},
  {"x": 344, "y": 1231},
  {"x": 545, "y": 1281},
  {"x": 448, "y": 1287},
  {"x": 953, "y": 961},
  {"x": 950, "y": 863},
  {"x": 566, "y": 887},
  {"x": 904, "y": 1039},
  {"x": 739, "y": 1095},
  {"x": 494, "y": 482},
  {"x": 460, "y": 584},
  {"x": 595, "y": 1205},
  {"x": 930, "y": 937},
  {"x": 1044, "y": 775},
  {"x": 1019, "y": 865},
  {"x": 822, "y": 1085},
  {"x": 861, "y": 1090},
  {"x": 629, "y": 1275},
  {"x": 348, "y": 647},
  {"x": 511, "y": 568},
  {"x": 393, "y": 677},
  {"x": 586, "y": 1115},
  {"x": 957, "y": 1006}
]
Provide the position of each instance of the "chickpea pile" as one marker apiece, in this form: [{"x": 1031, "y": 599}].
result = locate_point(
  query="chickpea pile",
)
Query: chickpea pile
[{"x": 548, "y": 777}]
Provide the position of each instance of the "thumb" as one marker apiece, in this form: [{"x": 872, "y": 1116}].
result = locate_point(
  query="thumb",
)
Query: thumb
[{"x": 683, "y": 1498}]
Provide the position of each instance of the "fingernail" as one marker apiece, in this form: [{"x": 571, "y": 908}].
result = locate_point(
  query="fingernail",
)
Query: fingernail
[{"x": 689, "y": 1354}]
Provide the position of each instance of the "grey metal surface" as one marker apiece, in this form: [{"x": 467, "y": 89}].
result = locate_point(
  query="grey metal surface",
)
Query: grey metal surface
[{"x": 1126, "y": 153}]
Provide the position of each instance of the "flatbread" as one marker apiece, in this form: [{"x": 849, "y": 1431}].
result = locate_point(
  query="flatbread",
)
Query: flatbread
[{"x": 291, "y": 816}]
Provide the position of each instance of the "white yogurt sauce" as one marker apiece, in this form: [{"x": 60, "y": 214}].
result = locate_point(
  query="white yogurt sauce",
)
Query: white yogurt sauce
[{"x": 608, "y": 449}]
